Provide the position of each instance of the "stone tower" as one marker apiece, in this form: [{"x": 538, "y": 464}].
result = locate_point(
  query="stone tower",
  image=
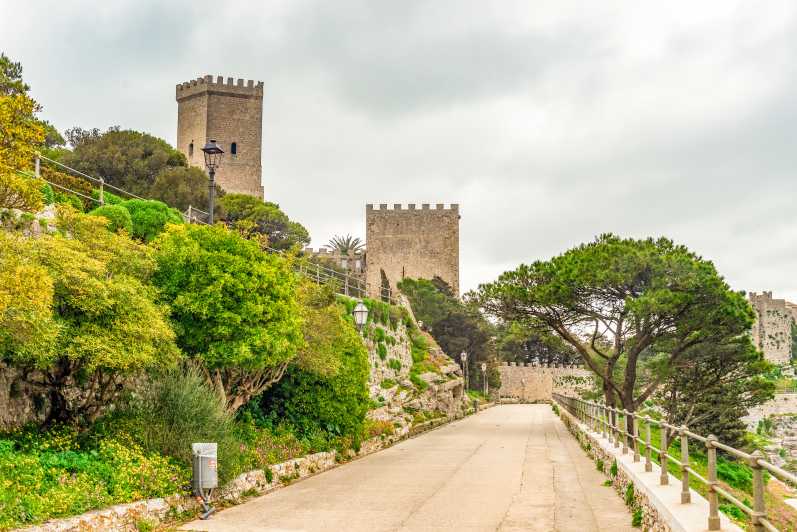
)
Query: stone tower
[
  {"x": 772, "y": 328},
  {"x": 410, "y": 242},
  {"x": 232, "y": 115}
]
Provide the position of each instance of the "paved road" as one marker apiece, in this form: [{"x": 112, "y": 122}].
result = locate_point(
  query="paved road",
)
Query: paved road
[{"x": 512, "y": 467}]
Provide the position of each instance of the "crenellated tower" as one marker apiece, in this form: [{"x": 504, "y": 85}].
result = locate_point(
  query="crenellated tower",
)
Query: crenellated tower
[{"x": 232, "y": 114}]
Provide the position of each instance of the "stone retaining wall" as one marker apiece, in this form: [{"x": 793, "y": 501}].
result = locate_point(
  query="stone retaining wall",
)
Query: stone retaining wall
[
  {"x": 127, "y": 517},
  {"x": 529, "y": 383},
  {"x": 661, "y": 508}
]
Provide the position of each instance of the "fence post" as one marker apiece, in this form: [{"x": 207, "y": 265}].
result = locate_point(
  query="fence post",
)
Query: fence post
[
  {"x": 664, "y": 477},
  {"x": 635, "y": 422},
  {"x": 102, "y": 191},
  {"x": 616, "y": 426},
  {"x": 38, "y": 166},
  {"x": 713, "y": 501},
  {"x": 759, "y": 506},
  {"x": 648, "y": 452},
  {"x": 686, "y": 496},
  {"x": 189, "y": 215},
  {"x": 318, "y": 274},
  {"x": 624, "y": 431},
  {"x": 346, "y": 288}
]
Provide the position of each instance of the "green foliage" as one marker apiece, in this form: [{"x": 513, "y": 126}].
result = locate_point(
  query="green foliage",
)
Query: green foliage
[
  {"x": 108, "y": 197},
  {"x": 47, "y": 194},
  {"x": 613, "y": 469},
  {"x": 96, "y": 319},
  {"x": 636, "y": 518},
  {"x": 382, "y": 351},
  {"x": 732, "y": 511},
  {"x": 629, "y": 495},
  {"x": 346, "y": 244},
  {"x": 516, "y": 343},
  {"x": 268, "y": 219},
  {"x": 44, "y": 476},
  {"x": 150, "y": 217},
  {"x": 419, "y": 346},
  {"x": 315, "y": 404},
  {"x": 386, "y": 384},
  {"x": 379, "y": 334},
  {"x": 664, "y": 300},
  {"x": 599, "y": 465},
  {"x": 181, "y": 186},
  {"x": 179, "y": 408},
  {"x": 394, "y": 364},
  {"x": 128, "y": 159},
  {"x": 118, "y": 217},
  {"x": 735, "y": 474},
  {"x": 235, "y": 308}
]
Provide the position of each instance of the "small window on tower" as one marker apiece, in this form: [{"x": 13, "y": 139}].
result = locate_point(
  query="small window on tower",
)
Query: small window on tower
[
  {"x": 234, "y": 148},
  {"x": 191, "y": 149}
]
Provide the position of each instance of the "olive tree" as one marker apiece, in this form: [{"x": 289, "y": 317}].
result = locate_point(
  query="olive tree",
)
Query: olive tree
[{"x": 234, "y": 307}]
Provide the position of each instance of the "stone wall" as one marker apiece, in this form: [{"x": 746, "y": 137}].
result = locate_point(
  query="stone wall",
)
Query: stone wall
[
  {"x": 772, "y": 328},
  {"x": 530, "y": 384},
  {"x": 228, "y": 113},
  {"x": 410, "y": 242},
  {"x": 782, "y": 403}
]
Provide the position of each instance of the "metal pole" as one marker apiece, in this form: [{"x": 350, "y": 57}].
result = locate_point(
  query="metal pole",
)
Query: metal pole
[
  {"x": 686, "y": 497},
  {"x": 713, "y": 500},
  {"x": 211, "y": 193}
]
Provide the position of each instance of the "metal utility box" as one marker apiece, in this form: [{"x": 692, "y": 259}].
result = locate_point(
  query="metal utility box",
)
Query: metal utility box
[{"x": 205, "y": 467}]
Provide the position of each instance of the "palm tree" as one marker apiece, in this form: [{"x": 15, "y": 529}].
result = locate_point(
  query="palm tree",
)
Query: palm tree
[{"x": 346, "y": 245}]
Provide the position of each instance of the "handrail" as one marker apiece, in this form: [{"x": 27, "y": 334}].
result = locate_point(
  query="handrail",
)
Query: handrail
[{"x": 604, "y": 420}]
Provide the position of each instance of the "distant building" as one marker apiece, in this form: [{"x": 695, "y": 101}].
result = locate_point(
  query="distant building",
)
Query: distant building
[
  {"x": 772, "y": 328},
  {"x": 410, "y": 242},
  {"x": 232, "y": 115}
]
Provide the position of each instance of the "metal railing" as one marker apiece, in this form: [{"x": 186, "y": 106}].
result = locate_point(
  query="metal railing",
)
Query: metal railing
[
  {"x": 346, "y": 284},
  {"x": 605, "y": 421}
]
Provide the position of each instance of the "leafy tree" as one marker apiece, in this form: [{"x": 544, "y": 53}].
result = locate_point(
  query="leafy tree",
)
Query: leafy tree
[
  {"x": 268, "y": 220},
  {"x": 326, "y": 402},
  {"x": 85, "y": 320},
  {"x": 150, "y": 217},
  {"x": 346, "y": 244},
  {"x": 456, "y": 327},
  {"x": 234, "y": 307},
  {"x": 118, "y": 217},
  {"x": 181, "y": 186},
  {"x": 618, "y": 300},
  {"x": 516, "y": 343},
  {"x": 22, "y": 134},
  {"x": 711, "y": 389},
  {"x": 127, "y": 159}
]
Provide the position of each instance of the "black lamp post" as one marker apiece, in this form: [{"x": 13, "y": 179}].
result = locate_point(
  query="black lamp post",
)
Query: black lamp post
[{"x": 213, "y": 153}]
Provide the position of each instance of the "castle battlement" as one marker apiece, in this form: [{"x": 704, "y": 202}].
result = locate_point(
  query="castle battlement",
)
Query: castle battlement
[
  {"x": 241, "y": 87},
  {"x": 411, "y": 207}
]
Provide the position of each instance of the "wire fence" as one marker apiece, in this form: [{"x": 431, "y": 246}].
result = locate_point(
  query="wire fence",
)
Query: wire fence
[
  {"x": 605, "y": 421},
  {"x": 345, "y": 283}
]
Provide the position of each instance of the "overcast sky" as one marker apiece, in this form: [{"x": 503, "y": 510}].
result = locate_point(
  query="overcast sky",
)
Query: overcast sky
[{"x": 548, "y": 122}]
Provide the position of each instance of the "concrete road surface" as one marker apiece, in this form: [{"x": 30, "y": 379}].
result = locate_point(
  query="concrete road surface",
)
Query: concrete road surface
[{"x": 512, "y": 467}]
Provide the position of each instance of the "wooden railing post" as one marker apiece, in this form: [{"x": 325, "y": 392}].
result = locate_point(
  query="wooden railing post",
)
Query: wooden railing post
[
  {"x": 102, "y": 191},
  {"x": 713, "y": 500},
  {"x": 616, "y": 427},
  {"x": 635, "y": 424},
  {"x": 624, "y": 431},
  {"x": 686, "y": 496},
  {"x": 648, "y": 452},
  {"x": 759, "y": 506},
  {"x": 664, "y": 477},
  {"x": 38, "y": 166}
]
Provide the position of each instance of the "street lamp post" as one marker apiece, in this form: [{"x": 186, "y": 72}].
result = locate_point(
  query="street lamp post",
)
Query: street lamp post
[
  {"x": 484, "y": 378},
  {"x": 464, "y": 357},
  {"x": 360, "y": 315},
  {"x": 213, "y": 153}
]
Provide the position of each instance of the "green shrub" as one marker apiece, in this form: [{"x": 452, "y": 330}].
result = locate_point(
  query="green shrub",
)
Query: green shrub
[
  {"x": 63, "y": 198},
  {"x": 636, "y": 518},
  {"x": 629, "y": 495},
  {"x": 386, "y": 384},
  {"x": 334, "y": 406},
  {"x": 49, "y": 475},
  {"x": 599, "y": 465},
  {"x": 177, "y": 409},
  {"x": 118, "y": 217},
  {"x": 379, "y": 334},
  {"x": 48, "y": 194},
  {"x": 382, "y": 351},
  {"x": 394, "y": 364},
  {"x": 150, "y": 217},
  {"x": 735, "y": 474},
  {"x": 107, "y": 197},
  {"x": 732, "y": 511},
  {"x": 419, "y": 346},
  {"x": 613, "y": 469}
]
